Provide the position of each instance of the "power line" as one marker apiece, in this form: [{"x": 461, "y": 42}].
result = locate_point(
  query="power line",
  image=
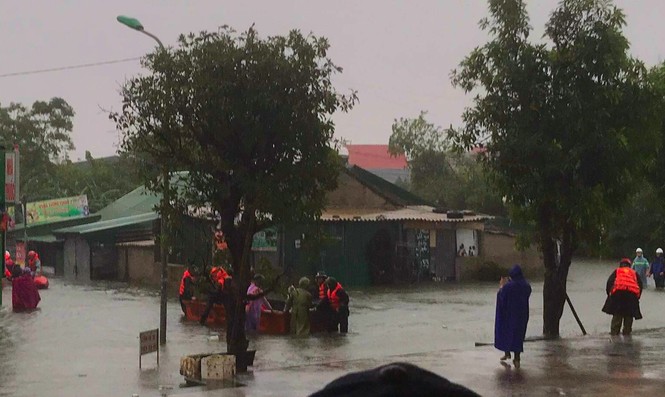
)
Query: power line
[{"x": 70, "y": 67}]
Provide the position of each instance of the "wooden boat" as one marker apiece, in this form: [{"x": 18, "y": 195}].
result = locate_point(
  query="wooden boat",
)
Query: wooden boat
[
  {"x": 195, "y": 308},
  {"x": 271, "y": 323},
  {"x": 279, "y": 323}
]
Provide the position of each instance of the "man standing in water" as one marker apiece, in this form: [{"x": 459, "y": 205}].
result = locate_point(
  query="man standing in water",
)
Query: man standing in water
[
  {"x": 641, "y": 267},
  {"x": 512, "y": 314},
  {"x": 624, "y": 289},
  {"x": 658, "y": 269}
]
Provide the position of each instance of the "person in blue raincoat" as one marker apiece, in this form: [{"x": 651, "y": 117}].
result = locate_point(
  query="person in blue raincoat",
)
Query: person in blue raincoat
[{"x": 512, "y": 314}]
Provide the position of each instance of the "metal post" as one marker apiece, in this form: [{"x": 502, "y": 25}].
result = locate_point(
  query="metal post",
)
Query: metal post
[
  {"x": 25, "y": 228},
  {"x": 3, "y": 209},
  {"x": 163, "y": 247}
]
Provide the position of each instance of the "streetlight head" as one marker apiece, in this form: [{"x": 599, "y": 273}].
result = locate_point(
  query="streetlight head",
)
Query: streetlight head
[{"x": 130, "y": 22}]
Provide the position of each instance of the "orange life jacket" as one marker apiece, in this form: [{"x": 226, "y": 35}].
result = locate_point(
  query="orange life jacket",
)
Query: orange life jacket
[
  {"x": 626, "y": 280},
  {"x": 333, "y": 298},
  {"x": 219, "y": 275},
  {"x": 32, "y": 263},
  {"x": 322, "y": 291},
  {"x": 185, "y": 275}
]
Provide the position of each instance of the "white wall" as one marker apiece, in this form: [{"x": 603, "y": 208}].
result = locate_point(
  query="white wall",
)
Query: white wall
[{"x": 468, "y": 237}]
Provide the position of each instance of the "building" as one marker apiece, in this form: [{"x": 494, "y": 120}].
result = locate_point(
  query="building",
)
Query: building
[
  {"x": 370, "y": 232},
  {"x": 378, "y": 160},
  {"x": 121, "y": 244},
  {"x": 373, "y": 232}
]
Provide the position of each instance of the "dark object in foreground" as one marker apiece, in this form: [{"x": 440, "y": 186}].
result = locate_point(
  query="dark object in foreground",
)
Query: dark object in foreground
[{"x": 396, "y": 379}]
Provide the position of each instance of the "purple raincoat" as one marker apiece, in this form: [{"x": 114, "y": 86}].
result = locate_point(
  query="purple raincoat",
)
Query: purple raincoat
[{"x": 512, "y": 313}]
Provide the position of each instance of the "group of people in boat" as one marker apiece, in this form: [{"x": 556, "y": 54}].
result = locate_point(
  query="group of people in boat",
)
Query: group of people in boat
[
  {"x": 24, "y": 289},
  {"x": 327, "y": 297}
]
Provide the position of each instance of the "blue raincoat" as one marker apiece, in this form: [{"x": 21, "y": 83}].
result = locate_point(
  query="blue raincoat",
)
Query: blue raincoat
[{"x": 512, "y": 313}]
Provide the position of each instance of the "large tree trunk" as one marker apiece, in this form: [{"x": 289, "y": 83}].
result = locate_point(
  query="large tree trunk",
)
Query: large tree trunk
[
  {"x": 240, "y": 246},
  {"x": 556, "y": 276}
]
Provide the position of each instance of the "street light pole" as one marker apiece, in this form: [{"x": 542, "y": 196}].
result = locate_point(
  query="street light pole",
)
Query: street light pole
[{"x": 134, "y": 24}]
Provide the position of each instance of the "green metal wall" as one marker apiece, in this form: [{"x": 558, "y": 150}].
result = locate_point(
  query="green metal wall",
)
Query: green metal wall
[{"x": 338, "y": 248}]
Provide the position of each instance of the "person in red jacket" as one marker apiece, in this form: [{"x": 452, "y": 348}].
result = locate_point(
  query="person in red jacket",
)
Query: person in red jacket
[
  {"x": 9, "y": 265},
  {"x": 186, "y": 291},
  {"x": 320, "y": 279},
  {"x": 338, "y": 300},
  {"x": 219, "y": 278},
  {"x": 34, "y": 263},
  {"x": 624, "y": 289}
]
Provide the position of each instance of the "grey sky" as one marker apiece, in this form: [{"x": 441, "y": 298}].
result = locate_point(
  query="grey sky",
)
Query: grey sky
[{"x": 397, "y": 54}]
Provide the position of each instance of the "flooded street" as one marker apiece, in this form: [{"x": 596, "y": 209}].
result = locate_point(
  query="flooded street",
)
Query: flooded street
[{"x": 84, "y": 340}]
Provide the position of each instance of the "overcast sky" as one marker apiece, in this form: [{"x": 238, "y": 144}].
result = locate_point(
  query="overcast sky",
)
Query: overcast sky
[{"x": 396, "y": 54}]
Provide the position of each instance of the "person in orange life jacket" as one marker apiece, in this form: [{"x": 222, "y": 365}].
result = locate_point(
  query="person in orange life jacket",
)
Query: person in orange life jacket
[
  {"x": 219, "y": 278},
  {"x": 34, "y": 263},
  {"x": 186, "y": 291},
  {"x": 321, "y": 290},
  {"x": 624, "y": 289},
  {"x": 9, "y": 265},
  {"x": 338, "y": 300}
]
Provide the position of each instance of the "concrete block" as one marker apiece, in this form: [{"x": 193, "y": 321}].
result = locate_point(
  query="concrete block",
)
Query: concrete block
[{"x": 218, "y": 366}]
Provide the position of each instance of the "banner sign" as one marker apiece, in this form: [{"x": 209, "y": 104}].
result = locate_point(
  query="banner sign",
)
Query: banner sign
[
  {"x": 50, "y": 210},
  {"x": 19, "y": 258},
  {"x": 148, "y": 343},
  {"x": 11, "y": 178}
]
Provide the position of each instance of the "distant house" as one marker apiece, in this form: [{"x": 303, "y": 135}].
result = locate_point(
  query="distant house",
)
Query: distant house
[
  {"x": 373, "y": 231},
  {"x": 120, "y": 245},
  {"x": 378, "y": 160}
]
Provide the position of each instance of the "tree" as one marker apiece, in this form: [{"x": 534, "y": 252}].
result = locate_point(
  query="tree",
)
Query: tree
[
  {"x": 102, "y": 180},
  {"x": 42, "y": 133},
  {"x": 438, "y": 173},
  {"x": 250, "y": 120},
  {"x": 563, "y": 121}
]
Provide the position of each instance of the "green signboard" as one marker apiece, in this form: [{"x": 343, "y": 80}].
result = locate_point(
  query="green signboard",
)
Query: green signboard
[
  {"x": 52, "y": 210},
  {"x": 265, "y": 240}
]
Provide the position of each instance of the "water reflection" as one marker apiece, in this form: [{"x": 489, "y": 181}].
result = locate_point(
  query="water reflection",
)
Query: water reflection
[{"x": 623, "y": 357}]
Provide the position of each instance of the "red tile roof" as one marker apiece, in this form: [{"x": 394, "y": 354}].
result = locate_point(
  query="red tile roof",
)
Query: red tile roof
[{"x": 375, "y": 157}]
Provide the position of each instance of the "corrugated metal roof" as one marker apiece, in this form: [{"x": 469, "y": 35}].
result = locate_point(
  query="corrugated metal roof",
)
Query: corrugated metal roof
[
  {"x": 134, "y": 220},
  {"x": 142, "y": 243},
  {"x": 137, "y": 202},
  {"x": 410, "y": 213}
]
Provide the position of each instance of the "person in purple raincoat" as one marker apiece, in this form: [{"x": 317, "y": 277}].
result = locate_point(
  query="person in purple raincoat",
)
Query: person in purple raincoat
[
  {"x": 512, "y": 315},
  {"x": 256, "y": 305}
]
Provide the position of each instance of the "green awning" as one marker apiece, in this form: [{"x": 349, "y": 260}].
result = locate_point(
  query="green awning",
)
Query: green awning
[{"x": 49, "y": 238}]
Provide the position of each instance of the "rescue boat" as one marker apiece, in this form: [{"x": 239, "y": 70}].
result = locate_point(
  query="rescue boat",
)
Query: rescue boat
[
  {"x": 194, "y": 309},
  {"x": 274, "y": 322}
]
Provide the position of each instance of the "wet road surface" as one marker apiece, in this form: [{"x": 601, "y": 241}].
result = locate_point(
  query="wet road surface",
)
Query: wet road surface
[{"x": 84, "y": 341}]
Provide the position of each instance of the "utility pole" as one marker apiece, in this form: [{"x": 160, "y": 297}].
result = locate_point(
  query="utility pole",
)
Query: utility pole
[
  {"x": 134, "y": 24},
  {"x": 3, "y": 211}
]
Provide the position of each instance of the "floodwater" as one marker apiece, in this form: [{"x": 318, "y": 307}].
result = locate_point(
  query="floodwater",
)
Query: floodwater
[{"x": 83, "y": 339}]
